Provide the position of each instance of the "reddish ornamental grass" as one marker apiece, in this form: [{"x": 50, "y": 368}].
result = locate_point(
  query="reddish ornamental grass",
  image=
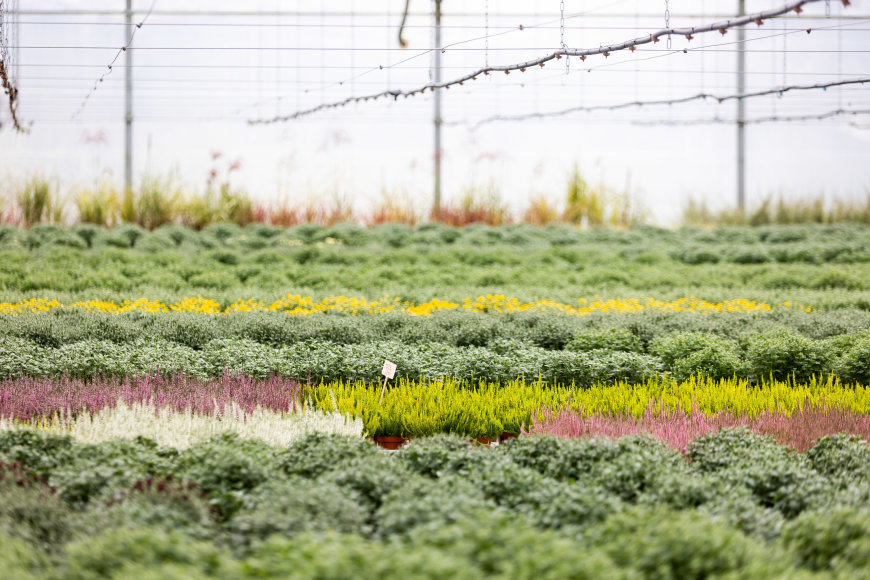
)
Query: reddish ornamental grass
[
  {"x": 677, "y": 428},
  {"x": 25, "y": 399}
]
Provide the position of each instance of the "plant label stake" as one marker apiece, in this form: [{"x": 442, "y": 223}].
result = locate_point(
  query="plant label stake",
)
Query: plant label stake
[{"x": 389, "y": 371}]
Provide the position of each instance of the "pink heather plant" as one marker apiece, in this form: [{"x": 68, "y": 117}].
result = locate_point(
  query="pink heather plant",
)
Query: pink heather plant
[
  {"x": 677, "y": 428},
  {"x": 26, "y": 399}
]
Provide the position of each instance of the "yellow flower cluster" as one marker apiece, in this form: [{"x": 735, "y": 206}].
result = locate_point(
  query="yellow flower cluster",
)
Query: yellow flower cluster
[
  {"x": 199, "y": 305},
  {"x": 305, "y": 305},
  {"x": 141, "y": 305},
  {"x": 32, "y": 305},
  {"x": 500, "y": 303}
]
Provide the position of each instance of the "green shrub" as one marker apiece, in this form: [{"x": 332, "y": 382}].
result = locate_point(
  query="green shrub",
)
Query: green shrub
[
  {"x": 502, "y": 546},
  {"x": 119, "y": 463},
  {"x": 738, "y": 508},
  {"x": 156, "y": 502},
  {"x": 240, "y": 356},
  {"x": 784, "y": 354},
  {"x": 662, "y": 544},
  {"x": 732, "y": 447},
  {"x": 696, "y": 255},
  {"x": 319, "y": 453},
  {"x": 332, "y": 556},
  {"x": 37, "y": 452},
  {"x": 854, "y": 366},
  {"x": 559, "y": 504},
  {"x": 440, "y": 455},
  {"x": 128, "y": 553},
  {"x": 426, "y": 502},
  {"x": 227, "y": 469},
  {"x": 611, "y": 339},
  {"x": 292, "y": 507},
  {"x": 841, "y": 458},
  {"x": 776, "y": 477},
  {"x": 370, "y": 479},
  {"x": 546, "y": 455},
  {"x": 30, "y": 511},
  {"x": 755, "y": 254},
  {"x": 838, "y": 538},
  {"x": 19, "y": 357},
  {"x": 787, "y": 486},
  {"x": 20, "y": 560},
  {"x": 504, "y": 482},
  {"x": 191, "y": 330}
]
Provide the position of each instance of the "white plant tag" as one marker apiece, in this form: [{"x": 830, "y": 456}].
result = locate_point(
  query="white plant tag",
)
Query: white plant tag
[{"x": 389, "y": 369}]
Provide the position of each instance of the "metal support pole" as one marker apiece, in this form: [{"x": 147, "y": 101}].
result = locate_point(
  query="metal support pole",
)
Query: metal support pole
[
  {"x": 741, "y": 112},
  {"x": 436, "y": 205},
  {"x": 128, "y": 100}
]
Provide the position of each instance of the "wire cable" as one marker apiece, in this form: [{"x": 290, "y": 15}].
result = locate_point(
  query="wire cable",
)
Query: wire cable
[
  {"x": 757, "y": 120},
  {"x": 697, "y": 97},
  {"x": 110, "y": 66},
  {"x": 606, "y": 50}
]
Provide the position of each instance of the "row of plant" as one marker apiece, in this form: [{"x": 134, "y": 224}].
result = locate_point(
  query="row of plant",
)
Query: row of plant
[
  {"x": 330, "y": 507},
  {"x": 419, "y": 274},
  {"x": 635, "y": 331},
  {"x": 258, "y": 236},
  {"x": 296, "y": 304},
  {"x": 106, "y": 407},
  {"x": 778, "y": 355}
]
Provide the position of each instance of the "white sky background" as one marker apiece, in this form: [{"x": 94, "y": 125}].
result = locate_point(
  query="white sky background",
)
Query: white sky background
[{"x": 191, "y": 99}]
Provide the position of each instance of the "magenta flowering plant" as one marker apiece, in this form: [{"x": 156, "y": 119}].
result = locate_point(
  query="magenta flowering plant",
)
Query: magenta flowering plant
[
  {"x": 28, "y": 399},
  {"x": 799, "y": 430}
]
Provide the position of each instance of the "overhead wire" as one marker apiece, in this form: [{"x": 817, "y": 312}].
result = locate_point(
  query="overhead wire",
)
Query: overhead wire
[
  {"x": 605, "y": 50},
  {"x": 668, "y": 102},
  {"x": 756, "y": 120},
  {"x": 111, "y": 65}
]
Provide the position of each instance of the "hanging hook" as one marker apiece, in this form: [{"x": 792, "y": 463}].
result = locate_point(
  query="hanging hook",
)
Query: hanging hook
[{"x": 402, "y": 41}]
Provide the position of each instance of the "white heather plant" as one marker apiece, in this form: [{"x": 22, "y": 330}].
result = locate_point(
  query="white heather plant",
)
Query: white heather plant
[{"x": 181, "y": 430}]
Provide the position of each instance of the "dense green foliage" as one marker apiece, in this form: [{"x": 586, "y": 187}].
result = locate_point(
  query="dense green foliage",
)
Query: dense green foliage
[
  {"x": 737, "y": 505},
  {"x": 780, "y": 353},
  {"x": 557, "y": 262}
]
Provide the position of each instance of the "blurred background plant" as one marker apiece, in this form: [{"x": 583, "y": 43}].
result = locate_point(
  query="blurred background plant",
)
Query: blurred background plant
[
  {"x": 779, "y": 210},
  {"x": 36, "y": 202},
  {"x": 221, "y": 202},
  {"x": 478, "y": 205},
  {"x": 161, "y": 200},
  {"x": 99, "y": 206}
]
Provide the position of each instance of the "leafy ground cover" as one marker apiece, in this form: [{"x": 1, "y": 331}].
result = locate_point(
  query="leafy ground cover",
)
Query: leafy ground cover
[
  {"x": 735, "y": 505},
  {"x": 560, "y": 263},
  {"x": 179, "y": 403},
  {"x": 777, "y": 354}
]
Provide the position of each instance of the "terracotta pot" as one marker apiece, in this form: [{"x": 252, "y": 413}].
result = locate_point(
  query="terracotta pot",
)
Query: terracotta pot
[
  {"x": 485, "y": 441},
  {"x": 389, "y": 442},
  {"x": 505, "y": 436}
]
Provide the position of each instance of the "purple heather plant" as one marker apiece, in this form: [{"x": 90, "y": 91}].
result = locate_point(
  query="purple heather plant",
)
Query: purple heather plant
[
  {"x": 27, "y": 399},
  {"x": 677, "y": 428}
]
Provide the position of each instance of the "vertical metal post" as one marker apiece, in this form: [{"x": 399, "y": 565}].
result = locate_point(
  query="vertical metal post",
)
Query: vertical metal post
[
  {"x": 436, "y": 205},
  {"x": 128, "y": 99},
  {"x": 741, "y": 112}
]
